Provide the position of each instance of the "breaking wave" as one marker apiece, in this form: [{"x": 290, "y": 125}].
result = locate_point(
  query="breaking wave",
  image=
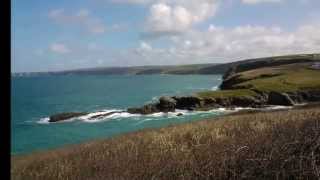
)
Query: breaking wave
[{"x": 118, "y": 114}]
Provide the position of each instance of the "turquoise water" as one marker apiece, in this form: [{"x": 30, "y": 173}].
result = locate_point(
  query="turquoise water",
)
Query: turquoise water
[{"x": 35, "y": 98}]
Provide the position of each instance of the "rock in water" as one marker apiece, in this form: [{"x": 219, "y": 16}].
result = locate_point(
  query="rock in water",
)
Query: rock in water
[
  {"x": 276, "y": 98},
  {"x": 105, "y": 114},
  {"x": 179, "y": 114},
  {"x": 166, "y": 104},
  {"x": 65, "y": 116},
  {"x": 134, "y": 110},
  {"x": 146, "y": 109},
  {"x": 187, "y": 102}
]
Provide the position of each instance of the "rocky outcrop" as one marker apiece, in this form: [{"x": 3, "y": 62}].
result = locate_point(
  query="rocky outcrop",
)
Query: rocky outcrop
[
  {"x": 276, "y": 98},
  {"x": 170, "y": 104},
  {"x": 262, "y": 99},
  {"x": 179, "y": 114},
  {"x": 105, "y": 114},
  {"x": 305, "y": 96},
  {"x": 65, "y": 116},
  {"x": 146, "y": 109},
  {"x": 242, "y": 101},
  {"x": 165, "y": 104},
  {"x": 187, "y": 102}
]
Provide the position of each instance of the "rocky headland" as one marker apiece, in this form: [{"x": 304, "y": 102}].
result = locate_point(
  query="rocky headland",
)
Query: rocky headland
[{"x": 256, "y": 84}]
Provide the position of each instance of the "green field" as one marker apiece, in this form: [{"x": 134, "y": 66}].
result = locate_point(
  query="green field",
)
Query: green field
[{"x": 285, "y": 78}]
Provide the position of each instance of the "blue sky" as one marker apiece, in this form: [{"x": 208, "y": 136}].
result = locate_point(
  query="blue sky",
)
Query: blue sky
[{"x": 59, "y": 35}]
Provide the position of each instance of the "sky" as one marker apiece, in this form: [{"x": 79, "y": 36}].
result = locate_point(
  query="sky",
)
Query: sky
[{"x": 56, "y": 35}]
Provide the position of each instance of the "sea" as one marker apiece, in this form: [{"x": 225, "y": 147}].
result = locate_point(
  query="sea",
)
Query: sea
[{"x": 35, "y": 98}]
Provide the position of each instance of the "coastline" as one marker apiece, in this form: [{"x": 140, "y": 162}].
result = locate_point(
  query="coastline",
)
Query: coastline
[
  {"x": 211, "y": 114},
  {"x": 156, "y": 146},
  {"x": 285, "y": 81},
  {"x": 90, "y": 97},
  {"x": 256, "y": 139}
]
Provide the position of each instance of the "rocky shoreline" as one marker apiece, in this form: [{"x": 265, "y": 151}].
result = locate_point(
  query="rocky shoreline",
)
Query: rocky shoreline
[
  {"x": 193, "y": 103},
  {"x": 262, "y": 99},
  {"x": 237, "y": 79},
  {"x": 232, "y": 80}
]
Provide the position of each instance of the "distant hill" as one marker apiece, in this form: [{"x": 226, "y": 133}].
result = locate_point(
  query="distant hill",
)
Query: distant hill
[
  {"x": 246, "y": 65},
  {"x": 210, "y": 68},
  {"x": 138, "y": 70}
]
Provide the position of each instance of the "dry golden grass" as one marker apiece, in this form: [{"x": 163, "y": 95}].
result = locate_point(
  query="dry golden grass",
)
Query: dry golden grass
[{"x": 263, "y": 145}]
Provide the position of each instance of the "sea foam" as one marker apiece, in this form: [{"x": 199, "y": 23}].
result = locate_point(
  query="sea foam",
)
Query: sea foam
[
  {"x": 44, "y": 120},
  {"x": 214, "y": 88},
  {"x": 119, "y": 114}
]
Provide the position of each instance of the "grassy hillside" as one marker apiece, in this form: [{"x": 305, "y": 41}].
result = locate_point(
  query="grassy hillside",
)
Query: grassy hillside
[
  {"x": 250, "y": 64},
  {"x": 258, "y": 145},
  {"x": 290, "y": 77}
]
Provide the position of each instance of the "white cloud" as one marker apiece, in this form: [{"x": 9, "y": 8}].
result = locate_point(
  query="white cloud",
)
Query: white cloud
[
  {"x": 145, "y": 46},
  {"x": 143, "y": 50},
  {"x": 215, "y": 44},
  {"x": 256, "y": 41},
  {"x": 133, "y": 1},
  {"x": 260, "y": 1},
  {"x": 171, "y": 17},
  {"x": 59, "y": 48},
  {"x": 230, "y": 44},
  {"x": 82, "y": 18}
]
